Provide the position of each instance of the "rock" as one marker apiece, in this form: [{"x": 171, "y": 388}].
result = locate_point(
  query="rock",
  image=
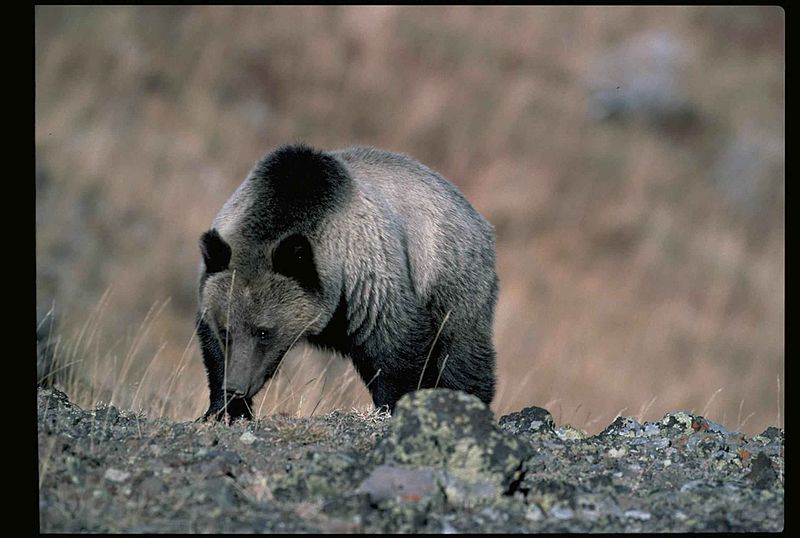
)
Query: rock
[
  {"x": 549, "y": 493},
  {"x": 52, "y": 398},
  {"x": 528, "y": 421},
  {"x": 218, "y": 462},
  {"x": 623, "y": 427},
  {"x": 594, "y": 506},
  {"x": 390, "y": 482},
  {"x": 115, "y": 475},
  {"x": 455, "y": 432},
  {"x": 761, "y": 473},
  {"x": 679, "y": 423},
  {"x": 570, "y": 433},
  {"x": 638, "y": 514},
  {"x": 248, "y": 438},
  {"x": 616, "y": 452},
  {"x": 223, "y": 491},
  {"x": 562, "y": 512},
  {"x": 467, "y": 492},
  {"x": 534, "y": 513},
  {"x": 107, "y": 415},
  {"x": 772, "y": 434},
  {"x": 320, "y": 474},
  {"x": 152, "y": 487}
]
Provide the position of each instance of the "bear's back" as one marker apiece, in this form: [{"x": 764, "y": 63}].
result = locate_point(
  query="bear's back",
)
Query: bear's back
[{"x": 445, "y": 235}]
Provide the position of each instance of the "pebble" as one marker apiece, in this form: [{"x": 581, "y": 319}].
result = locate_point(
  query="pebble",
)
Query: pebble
[
  {"x": 115, "y": 475},
  {"x": 638, "y": 514},
  {"x": 248, "y": 438},
  {"x": 562, "y": 512},
  {"x": 534, "y": 513},
  {"x": 616, "y": 452}
]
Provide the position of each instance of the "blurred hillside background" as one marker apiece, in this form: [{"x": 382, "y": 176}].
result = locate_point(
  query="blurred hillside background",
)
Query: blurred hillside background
[{"x": 630, "y": 158}]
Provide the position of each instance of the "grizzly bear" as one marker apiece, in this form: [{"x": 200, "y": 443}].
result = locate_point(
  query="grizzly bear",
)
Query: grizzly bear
[{"x": 360, "y": 251}]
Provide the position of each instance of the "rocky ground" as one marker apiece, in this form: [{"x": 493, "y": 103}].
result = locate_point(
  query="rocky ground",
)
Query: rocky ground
[{"x": 440, "y": 464}]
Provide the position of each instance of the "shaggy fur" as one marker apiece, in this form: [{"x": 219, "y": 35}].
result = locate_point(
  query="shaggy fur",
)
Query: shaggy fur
[{"x": 360, "y": 251}]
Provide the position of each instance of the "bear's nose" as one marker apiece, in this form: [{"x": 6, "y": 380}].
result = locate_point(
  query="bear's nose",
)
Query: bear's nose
[{"x": 236, "y": 393}]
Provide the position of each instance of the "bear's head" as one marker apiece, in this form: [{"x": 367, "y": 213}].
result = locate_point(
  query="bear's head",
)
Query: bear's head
[{"x": 258, "y": 315}]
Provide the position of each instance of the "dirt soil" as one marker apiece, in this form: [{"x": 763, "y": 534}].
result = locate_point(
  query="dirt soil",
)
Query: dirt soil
[{"x": 440, "y": 464}]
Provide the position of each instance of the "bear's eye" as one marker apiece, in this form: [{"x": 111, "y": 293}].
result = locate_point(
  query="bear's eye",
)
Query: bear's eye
[
  {"x": 294, "y": 258},
  {"x": 224, "y": 335},
  {"x": 262, "y": 335},
  {"x": 299, "y": 253}
]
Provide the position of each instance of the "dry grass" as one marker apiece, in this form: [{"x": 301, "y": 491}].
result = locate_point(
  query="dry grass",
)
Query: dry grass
[{"x": 628, "y": 280}]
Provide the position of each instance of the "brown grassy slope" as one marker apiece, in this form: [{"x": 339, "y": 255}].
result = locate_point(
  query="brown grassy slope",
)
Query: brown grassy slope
[{"x": 628, "y": 281}]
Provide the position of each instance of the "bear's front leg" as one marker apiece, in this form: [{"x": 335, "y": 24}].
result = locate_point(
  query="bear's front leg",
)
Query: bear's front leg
[
  {"x": 215, "y": 411},
  {"x": 214, "y": 361}
]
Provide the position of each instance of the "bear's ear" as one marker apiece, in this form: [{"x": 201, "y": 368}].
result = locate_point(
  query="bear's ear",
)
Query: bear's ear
[
  {"x": 216, "y": 252},
  {"x": 294, "y": 258}
]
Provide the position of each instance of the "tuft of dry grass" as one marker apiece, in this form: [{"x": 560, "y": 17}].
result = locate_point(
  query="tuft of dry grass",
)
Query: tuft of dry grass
[{"x": 629, "y": 279}]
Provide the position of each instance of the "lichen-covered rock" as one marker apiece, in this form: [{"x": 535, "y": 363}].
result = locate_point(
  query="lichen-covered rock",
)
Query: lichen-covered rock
[
  {"x": 762, "y": 475},
  {"x": 568, "y": 432},
  {"x": 322, "y": 474},
  {"x": 529, "y": 421},
  {"x": 454, "y": 432},
  {"x": 684, "y": 423},
  {"x": 680, "y": 423},
  {"x": 623, "y": 427}
]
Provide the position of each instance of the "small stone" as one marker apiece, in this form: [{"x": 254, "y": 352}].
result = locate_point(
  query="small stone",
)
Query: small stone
[
  {"x": 570, "y": 433},
  {"x": 490, "y": 513},
  {"x": 651, "y": 429},
  {"x": 693, "y": 485},
  {"x": 534, "y": 513},
  {"x": 623, "y": 426},
  {"x": 761, "y": 473},
  {"x": 659, "y": 443},
  {"x": 681, "y": 419},
  {"x": 471, "y": 492},
  {"x": 770, "y": 435},
  {"x": 206, "y": 440},
  {"x": 717, "y": 428},
  {"x": 152, "y": 486},
  {"x": 528, "y": 420},
  {"x": 248, "y": 438},
  {"x": 259, "y": 489},
  {"x": 108, "y": 415},
  {"x": 387, "y": 482},
  {"x": 562, "y": 512},
  {"x": 638, "y": 514},
  {"x": 447, "y": 528},
  {"x": 616, "y": 452},
  {"x": 115, "y": 475}
]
